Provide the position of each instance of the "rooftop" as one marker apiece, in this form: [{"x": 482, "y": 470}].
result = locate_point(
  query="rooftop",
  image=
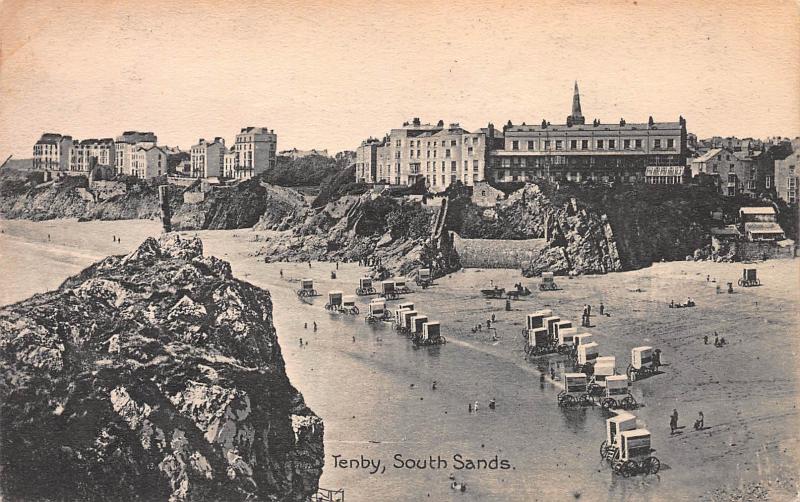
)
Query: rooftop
[{"x": 757, "y": 210}]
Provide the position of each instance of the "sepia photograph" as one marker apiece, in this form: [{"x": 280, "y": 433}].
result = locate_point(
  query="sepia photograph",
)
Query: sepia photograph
[{"x": 355, "y": 251}]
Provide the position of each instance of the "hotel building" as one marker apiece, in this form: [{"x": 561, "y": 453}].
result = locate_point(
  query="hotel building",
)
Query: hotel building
[
  {"x": 126, "y": 145},
  {"x": 208, "y": 158},
  {"x": 574, "y": 151},
  {"x": 439, "y": 154},
  {"x": 255, "y": 150}
]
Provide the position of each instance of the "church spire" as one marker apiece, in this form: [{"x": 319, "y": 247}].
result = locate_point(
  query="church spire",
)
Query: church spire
[{"x": 577, "y": 117}]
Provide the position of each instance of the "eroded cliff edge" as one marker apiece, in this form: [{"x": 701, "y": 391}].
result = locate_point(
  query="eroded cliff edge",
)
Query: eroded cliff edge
[{"x": 153, "y": 376}]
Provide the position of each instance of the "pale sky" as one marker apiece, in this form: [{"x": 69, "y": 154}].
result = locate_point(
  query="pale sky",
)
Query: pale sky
[{"x": 329, "y": 74}]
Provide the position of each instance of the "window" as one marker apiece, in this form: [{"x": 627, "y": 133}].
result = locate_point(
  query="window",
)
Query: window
[
  {"x": 428, "y": 154},
  {"x": 434, "y": 154},
  {"x": 469, "y": 151},
  {"x": 447, "y": 153},
  {"x": 656, "y": 143},
  {"x": 584, "y": 144},
  {"x": 626, "y": 144},
  {"x": 515, "y": 145},
  {"x": 612, "y": 144},
  {"x": 418, "y": 152},
  {"x": 559, "y": 144},
  {"x": 638, "y": 143},
  {"x": 599, "y": 144},
  {"x": 531, "y": 145},
  {"x": 573, "y": 144},
  {"x": 547, "y": 144},
  {"x": 453, "y": 165},
  {"x": 670, "y": 143},
  {"x": 474, "y": 165},
  {"x": 453, "y": 143},
  {"x": 398, "y": 143}
]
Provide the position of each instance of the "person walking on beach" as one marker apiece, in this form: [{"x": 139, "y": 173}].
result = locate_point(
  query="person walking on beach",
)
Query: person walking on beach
[
  {"x": 354, "y": 339},
  {"x": 469, "y": 407},
  {"x": 673, "y": 421},
  {"x": 305, "y": 325},
  {"x": 337, "y": 265},
  {"x": 705, "y": 339},
  {"x": 475, "y": 407},
  {"x": 281, "y": 272},
  {"x": 48, "y": 237},
  {"x": 301, "y": 342},
  {"x": 309, "y": 263},
  {"x": 315, "y": 326},
  {"x": 433, "y": 385},
  {"x": 602, "y": 308}
]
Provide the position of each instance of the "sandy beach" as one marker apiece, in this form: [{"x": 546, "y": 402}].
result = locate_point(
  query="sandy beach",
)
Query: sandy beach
[{"x": 373, "y": 389}]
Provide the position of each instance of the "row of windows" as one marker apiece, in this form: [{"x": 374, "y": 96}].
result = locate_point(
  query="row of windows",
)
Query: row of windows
[
  {"x": 600, "y": 144},
  {"x": 418, "y": 143}
]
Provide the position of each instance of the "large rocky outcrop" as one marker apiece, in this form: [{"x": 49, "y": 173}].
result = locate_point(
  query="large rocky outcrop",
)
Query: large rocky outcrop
[
  {"x": 579, "y": 241},
  {"x": 393, "y": 237},
  {"x": 244, "y": 205},
  {"x": 251, "y": 203},
  {"x": 153, "y": 376}
]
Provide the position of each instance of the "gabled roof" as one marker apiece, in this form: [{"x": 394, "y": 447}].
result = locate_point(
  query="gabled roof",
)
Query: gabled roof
[
  {"x": 763, "y": 228},
  {"x": 757, "y": 210},
  {"x": 708, "y": 155}
]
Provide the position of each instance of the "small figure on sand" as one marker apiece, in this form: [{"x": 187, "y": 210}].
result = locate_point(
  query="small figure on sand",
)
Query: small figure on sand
[
  {"x": 354, "y": 339},
  {"x": 673, "y": 421},
  {"x": 433, "y": 385},
  {"x": 493, "y": 318},
  {"x": 309, "y": 263},
  {"x": 700, "y": 422},
  {"x": 475, "y": 407},
  {"x": 315, "y": 326},
  {"x": 48, "y": 237},
  {"x": 337, "y": 265},
  {"x": 492, "y": 404},
  {"x": 301, "y": 342},
  {"x": 469, "y": 407},
  {"x": 602, "y": 309},
  {"x": 281, "y": 272},
  {"x": 705, "y": 339},
  {"x": 305, "y": 325}
]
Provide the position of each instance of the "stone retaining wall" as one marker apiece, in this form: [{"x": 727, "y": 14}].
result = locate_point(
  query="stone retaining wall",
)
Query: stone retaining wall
[
  {"x": 751, "y": 251},
  {"x": 496, "y": 253}
]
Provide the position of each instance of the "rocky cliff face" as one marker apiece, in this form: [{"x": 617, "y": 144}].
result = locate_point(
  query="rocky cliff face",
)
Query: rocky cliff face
[
  {"x": 251, "y": 203},
  {"x": 579, "y": 241},
  {"x": 394, "y": 238},
  {"x": 154, "y": 376},
  {"x": 247, "y": 204}
]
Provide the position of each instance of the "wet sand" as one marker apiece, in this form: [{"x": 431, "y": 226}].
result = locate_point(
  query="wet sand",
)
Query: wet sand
[{"x": 363, "y": 389}]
